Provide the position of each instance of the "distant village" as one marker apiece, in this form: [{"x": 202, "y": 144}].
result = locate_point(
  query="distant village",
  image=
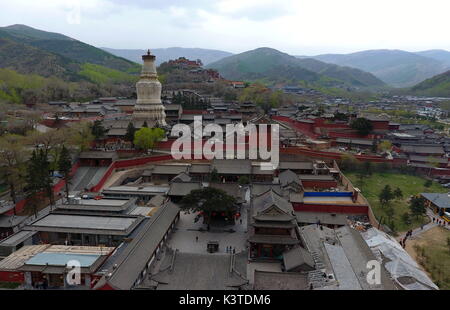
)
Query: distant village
[{"x": 136, "y": 219}]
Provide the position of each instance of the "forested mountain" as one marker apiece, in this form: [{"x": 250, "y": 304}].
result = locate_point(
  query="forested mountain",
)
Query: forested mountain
[
  {"x": 273, "y": 66},
  {"x": 45, "y": 66}
]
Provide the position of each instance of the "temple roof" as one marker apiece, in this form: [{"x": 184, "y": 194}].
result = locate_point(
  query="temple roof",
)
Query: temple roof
[{"x": 271, "y": 204}]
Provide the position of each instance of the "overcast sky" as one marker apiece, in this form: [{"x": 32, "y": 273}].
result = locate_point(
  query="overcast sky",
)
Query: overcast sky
[{"x": 298, "y": 27}]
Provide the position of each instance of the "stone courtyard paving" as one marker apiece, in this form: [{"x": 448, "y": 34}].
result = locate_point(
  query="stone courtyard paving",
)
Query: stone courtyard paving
[{"x": 184, "y": 237}]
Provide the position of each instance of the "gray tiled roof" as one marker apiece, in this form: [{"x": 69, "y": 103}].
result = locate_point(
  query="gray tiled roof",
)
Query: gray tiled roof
[
  {"x": 200, "y": 168},
  {"x": 265, "y": 280},
  {"x": 325, "y": 218},
  {"x": 287, "y": 177},
  {"x": 98, "y": 154},
  {"x": 236, "y": 166},
  {"x": 183, "y": 188},
  {"x": 296, "y": 165},
  {"x": 441, "y": 201},
  {"x": 269, "y": 199},
  {"x": 423, "y": 149},
  {"x": 169, "y": 169},
  {"x": 318, "y": 177},
  {"x": 297, "y": 257},
  {"x": 134, "y": 258}
]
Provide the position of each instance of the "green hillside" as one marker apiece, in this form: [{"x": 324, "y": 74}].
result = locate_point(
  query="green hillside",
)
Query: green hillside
[
  {"x": 102, "y": 75},
  {"x": 24, "y": 32},
  {"x": 36, "y": 66},
  {"x": 274, "y": 67},
  {"x": 67, "y": 47},
  {"x": 436, "y": 86},
  {"x": 27, "y": 59}
]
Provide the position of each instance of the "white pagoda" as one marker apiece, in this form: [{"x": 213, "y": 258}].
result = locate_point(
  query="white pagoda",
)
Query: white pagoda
[{"x": 148, "y": 105}]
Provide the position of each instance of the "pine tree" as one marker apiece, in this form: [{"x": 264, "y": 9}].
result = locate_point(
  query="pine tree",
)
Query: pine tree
[
  {"x": 398, "y": 193},
  {"x": 38, "y": 178},
  {"x": 417, "y": 206},
  {"x": 386, "y": 195},
  {"x": 46, "y": 180},
  {"x": 65, "y": 166},
  {"x": 98, "y": 131},
  {"x": 32, "y": 180},
  {"x": 131, "y": 130}
]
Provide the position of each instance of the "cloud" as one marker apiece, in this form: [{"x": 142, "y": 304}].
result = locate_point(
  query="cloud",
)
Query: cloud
[
  {"x": 165, "y": 5},
  {"x": 255, "y": 10}
]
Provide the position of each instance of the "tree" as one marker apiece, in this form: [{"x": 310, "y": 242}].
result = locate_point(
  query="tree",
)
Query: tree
[
  {"x": 340, "y": 116},
  {"x": 362, "y": 125},
  {"x": 417, "y": 206},
  {"x": 385, "y": 146},
  {"x": 81, "y": 136},
  {"x": 243, "y": 180},
  {"x": 131, "y": 130},
  {"x": 145, "y": 138},
  {"x": 98, "y": 131},
  {"x": 348, "y": 162},
  {"x": 406, "y": 218},
  {"x": 38, "y": 178},
  {"x": 398, "y": 193},
  {"x": 12, "y": 162},
  {"x": 65, "y": 167},
  {"x": 428, "y": 183},
  {"x": 214, "y": 176},
  {"x": 390, "y": 213},
  {"x": 209, "y": 200},
  {"x": 386, "y": 195},
  {"x": 49, "y": 141}
]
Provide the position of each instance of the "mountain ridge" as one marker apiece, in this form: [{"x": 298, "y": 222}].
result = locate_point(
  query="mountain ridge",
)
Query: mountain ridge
[
  {"x": 66, "y": 47},
  {"x": 207, "y": 56},
  {"x": 397, "y": 68},
  {"x": 275, "y": 66}
]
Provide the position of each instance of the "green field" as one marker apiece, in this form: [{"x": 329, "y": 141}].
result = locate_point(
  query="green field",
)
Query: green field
[{"x": 410, "y": 185}]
